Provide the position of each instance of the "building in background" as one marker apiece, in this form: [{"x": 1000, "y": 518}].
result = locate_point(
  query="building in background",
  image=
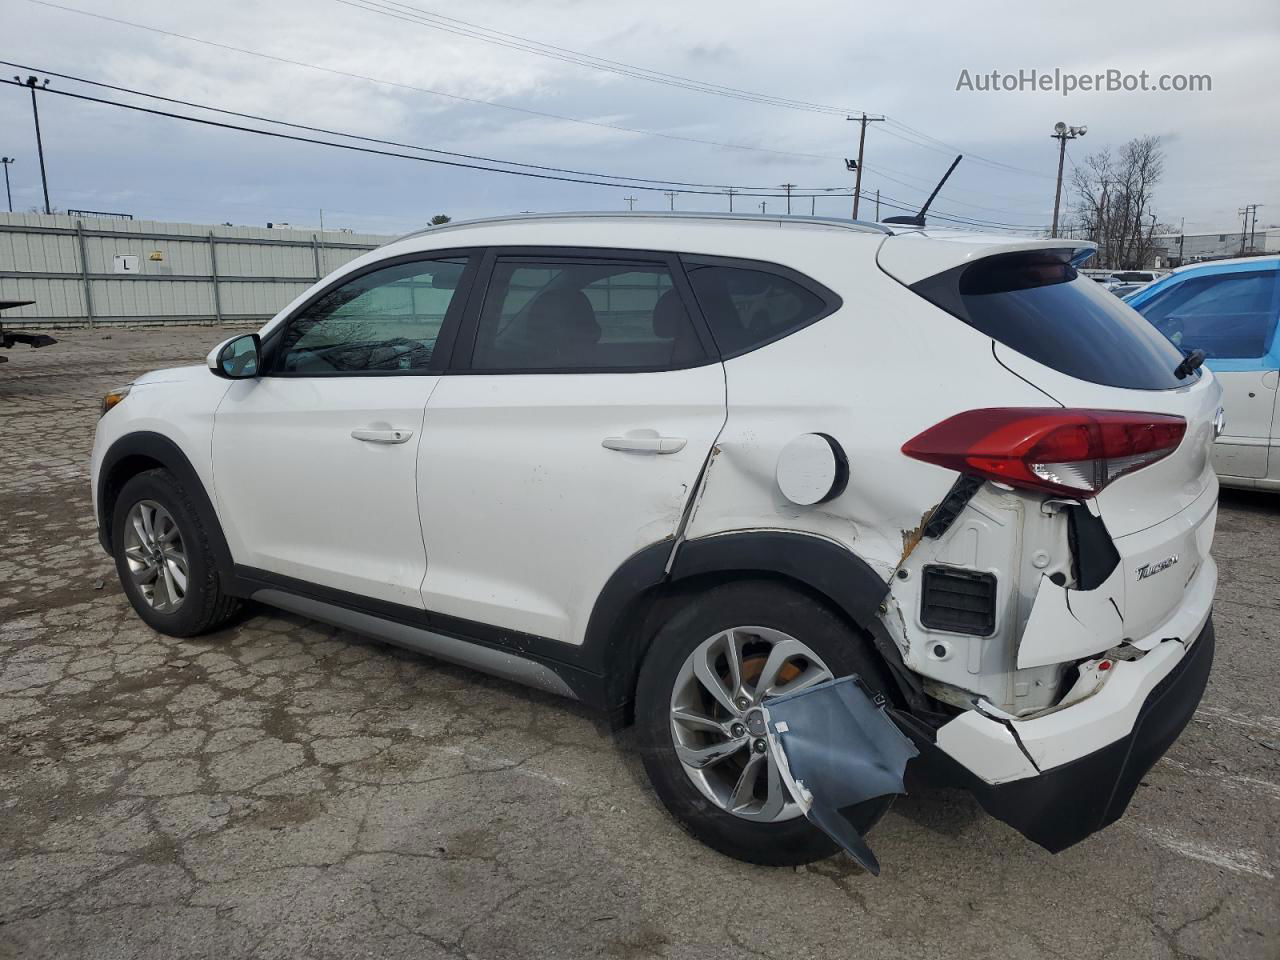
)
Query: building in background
[
  {"x": 89, "y": 271},
  {"x": 1173, "y": 250}
]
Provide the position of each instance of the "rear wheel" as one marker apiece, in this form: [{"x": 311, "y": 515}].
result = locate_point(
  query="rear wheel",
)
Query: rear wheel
[
  {"x": 163, "y": 557},
  {"x": 707, "y": 673}
]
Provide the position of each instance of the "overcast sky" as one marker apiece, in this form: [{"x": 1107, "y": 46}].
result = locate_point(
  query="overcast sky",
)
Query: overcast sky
[{"x": 896, "y": 59}]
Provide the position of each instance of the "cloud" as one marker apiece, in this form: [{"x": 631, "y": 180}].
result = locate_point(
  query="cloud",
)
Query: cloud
[{"x": 884, "y": 59}]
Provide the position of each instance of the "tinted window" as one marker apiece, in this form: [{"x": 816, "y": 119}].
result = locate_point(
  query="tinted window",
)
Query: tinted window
[
  {"x": 385, "y": 320},
  {"x": 567, "y": 314},
  {"x": 1041, "y": 307},
  {"x": 748, "y": 308},
  {"x": 1227, "y": 315}
]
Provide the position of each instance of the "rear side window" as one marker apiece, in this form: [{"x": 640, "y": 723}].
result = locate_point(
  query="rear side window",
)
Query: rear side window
[
  {"x": 748, "y": 307},
  {"x": 1038, "y": 305},
  {"x": 1227, "y": 315},
  {"x": 581, "y": 315}
]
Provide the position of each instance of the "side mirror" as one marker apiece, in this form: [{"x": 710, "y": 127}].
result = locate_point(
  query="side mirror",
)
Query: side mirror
[{"x": 239, "y": 358}]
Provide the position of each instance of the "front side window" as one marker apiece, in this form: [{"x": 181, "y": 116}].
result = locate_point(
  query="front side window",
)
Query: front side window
[
  {"x": 583, "y": 315},
  {"x": 386, "y": 320},
  {"x": 1227, "y": 315},
  {"x": 747, "y": 308}
]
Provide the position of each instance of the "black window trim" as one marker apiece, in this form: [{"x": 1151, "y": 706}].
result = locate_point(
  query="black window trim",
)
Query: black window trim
[
  {"x": 448, "y": 328},
  {"x": 831, "y": 300},
  {"x": 465, "y": 343}
]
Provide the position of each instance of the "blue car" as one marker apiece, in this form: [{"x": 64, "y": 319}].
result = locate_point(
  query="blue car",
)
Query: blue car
[{"x": 1230, "y": 309}]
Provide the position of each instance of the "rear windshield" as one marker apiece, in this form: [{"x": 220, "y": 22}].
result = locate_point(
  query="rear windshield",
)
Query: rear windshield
[{"x": 1036, "y": 303}]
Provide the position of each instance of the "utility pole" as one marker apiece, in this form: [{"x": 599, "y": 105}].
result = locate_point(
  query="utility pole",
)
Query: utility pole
[
  {"x": 671, "y": 195},
  {"x": 730, "y": 191},
  {"x": 762, "y": 205},
  {"x": 813, "y": 204},
  {"x": 862, "y": 142},
  {"x": 1250, "y": 223},
  {"x": 877, "y": 206},
  {"x": 788, "y": 187},
  {"x": 1062, "y": 133},
  {"x": 6, "y": 161},
  {"x": 631, "y": 203},
  {"x": 1182, "y": 236},
  {"x": 35, "y": 113}
]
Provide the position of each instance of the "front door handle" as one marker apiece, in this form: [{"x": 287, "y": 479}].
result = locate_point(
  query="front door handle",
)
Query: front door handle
[
  {"x": 382, "y": 436},
  {"x": 644, "y": 444}
]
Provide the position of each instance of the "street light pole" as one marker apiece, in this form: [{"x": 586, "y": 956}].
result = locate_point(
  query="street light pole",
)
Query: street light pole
[
  {"x": 35, "y": 114},
  {"x": 1062, "y": 133},
  {"x": 8, "y": 195}
]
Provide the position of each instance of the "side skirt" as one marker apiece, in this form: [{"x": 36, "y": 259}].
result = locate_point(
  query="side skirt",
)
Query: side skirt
[{"x": 521, "y": 658}]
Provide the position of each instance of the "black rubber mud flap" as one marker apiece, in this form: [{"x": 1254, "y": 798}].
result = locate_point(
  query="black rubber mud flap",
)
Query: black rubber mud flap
[{"x": 835, "y": 747}]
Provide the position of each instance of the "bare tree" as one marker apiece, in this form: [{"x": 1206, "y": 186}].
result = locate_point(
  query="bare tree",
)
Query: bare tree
[{"x": 1114, "y": 205}]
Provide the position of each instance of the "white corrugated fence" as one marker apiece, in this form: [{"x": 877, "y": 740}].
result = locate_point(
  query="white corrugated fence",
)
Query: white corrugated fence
[{"x": 89, "y": 271}]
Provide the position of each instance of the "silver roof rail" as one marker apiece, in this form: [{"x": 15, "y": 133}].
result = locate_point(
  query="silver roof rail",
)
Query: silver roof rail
[{"x": 861, "y": 226}]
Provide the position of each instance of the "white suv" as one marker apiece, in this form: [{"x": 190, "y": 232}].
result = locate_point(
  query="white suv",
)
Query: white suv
[{"x": 678, "y": 466}]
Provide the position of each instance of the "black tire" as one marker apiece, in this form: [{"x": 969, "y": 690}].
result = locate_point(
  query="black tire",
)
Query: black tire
[
  {"x": 763, "y": 604},
  {"x": 204, "y": 607}
]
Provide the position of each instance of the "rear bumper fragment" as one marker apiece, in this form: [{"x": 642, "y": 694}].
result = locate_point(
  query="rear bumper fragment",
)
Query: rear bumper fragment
[{"x": 1066, "y": 803}]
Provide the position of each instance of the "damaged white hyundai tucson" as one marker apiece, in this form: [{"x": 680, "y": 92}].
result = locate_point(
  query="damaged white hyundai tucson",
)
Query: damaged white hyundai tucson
[{"x": 810, "y": 502}]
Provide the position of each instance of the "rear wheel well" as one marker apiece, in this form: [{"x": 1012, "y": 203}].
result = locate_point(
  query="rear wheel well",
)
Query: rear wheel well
[{"x": 646, "y": 614}]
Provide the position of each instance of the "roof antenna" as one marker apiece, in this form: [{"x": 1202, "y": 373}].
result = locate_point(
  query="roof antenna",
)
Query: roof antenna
[{"x": 917, "y": 220}]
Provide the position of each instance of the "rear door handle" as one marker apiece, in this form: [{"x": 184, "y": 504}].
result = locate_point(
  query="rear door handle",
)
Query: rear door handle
[
  {"x": 644, "y": 444},
  {"x": 382, "y": 436}
]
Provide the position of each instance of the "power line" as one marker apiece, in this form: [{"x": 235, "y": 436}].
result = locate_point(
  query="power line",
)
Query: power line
[
  {"x": 593, "y": 181},
  {"x": 414, "y": 14},
  {"x": 354, "y": 136},
  {"x": 944, "y": 147},
  {"x": 833, "y": 191},
  {"x": 348, "y": 146},
  {"x": 502, "y": 106},
  {"x": 543, "y": 114}
]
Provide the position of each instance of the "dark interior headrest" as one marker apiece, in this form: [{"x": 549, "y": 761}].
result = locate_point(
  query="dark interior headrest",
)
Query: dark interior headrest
[
  {"x": 565, "y": 317},
  {"x": 669, "y": 317}
]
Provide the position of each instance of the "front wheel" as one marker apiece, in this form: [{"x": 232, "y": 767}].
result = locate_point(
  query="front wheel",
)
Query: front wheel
[
  {"x": 163, "y": 557},
  {"x": 704, "y": 679}
]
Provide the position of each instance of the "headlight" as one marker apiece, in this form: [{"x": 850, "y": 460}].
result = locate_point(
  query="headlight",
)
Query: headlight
[{"x": 114, "y": 397}]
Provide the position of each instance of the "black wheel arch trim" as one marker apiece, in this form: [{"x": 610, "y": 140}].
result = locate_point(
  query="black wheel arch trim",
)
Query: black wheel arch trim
[
  {"x": 629, "y": 608},
  {"x": 164, "y": 451}
]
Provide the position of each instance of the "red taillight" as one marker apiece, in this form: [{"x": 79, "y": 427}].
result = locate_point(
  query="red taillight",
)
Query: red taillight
[{"x": 1070, "y": 452}]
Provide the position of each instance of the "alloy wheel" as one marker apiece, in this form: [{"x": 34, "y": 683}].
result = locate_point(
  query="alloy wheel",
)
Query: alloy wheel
[
  {"x": 157, "y": 559},
  {"x": 717, "y": 726}
]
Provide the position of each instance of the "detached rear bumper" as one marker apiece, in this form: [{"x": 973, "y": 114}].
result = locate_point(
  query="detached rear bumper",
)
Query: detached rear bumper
[{"x": 1064, "y": 804}]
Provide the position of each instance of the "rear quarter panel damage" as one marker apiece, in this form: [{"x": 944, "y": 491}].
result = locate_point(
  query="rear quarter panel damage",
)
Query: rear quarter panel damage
[{"x": 858, "y": 376}]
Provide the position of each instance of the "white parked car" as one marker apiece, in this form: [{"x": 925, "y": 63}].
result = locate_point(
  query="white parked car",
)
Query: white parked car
[{"x": 680, "y": 467}]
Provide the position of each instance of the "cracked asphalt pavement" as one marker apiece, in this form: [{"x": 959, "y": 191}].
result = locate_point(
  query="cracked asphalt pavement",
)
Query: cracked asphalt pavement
[{"x": 285, "y": 789}]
